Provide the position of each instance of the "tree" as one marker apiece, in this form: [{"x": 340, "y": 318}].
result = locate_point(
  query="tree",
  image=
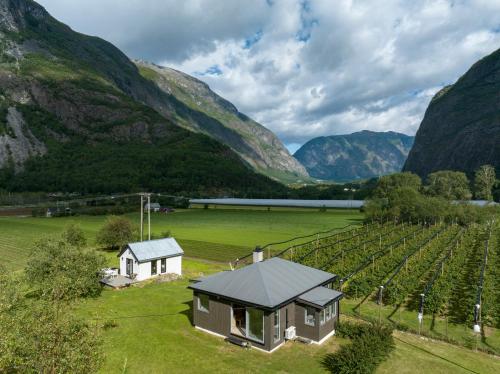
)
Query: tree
[
  {"x": 116, "y": 232},
  {"x": 74, "y": 235},
  {"x": 58, "y": 270},
  {"x": 484, "y": 180},
  {"x": 388, "y": 183},
  {"x": 42, "y": 335},
  {"x": 451, "y": 185}
]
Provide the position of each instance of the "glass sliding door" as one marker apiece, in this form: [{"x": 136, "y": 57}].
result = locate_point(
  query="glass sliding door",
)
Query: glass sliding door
[{"x": 255, "y": 324}]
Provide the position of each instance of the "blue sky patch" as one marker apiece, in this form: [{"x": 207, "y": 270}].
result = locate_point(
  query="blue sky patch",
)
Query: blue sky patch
[
  {"x": 254, "y": 39},
  {"x": 212, "y": 70}
]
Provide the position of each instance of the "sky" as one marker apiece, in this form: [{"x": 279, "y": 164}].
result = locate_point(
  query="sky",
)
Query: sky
[{"x": 304, "y": 68}]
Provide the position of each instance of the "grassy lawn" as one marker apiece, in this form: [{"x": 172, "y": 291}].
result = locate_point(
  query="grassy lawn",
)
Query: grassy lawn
[
  {"x": 214, "y": 234},
  {"x": 153, "y": 333}
]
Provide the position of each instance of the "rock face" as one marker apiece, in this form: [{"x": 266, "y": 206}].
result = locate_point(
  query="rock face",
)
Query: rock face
[
  {"x": 252, "y": 141},
  {"x": 77, "y": 115},
  {"x": 461, "y": 127},
  {"x": 360, "y": 155}
]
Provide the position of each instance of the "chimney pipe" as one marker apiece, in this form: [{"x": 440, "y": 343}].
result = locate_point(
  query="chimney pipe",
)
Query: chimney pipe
[{"x": 258, "y": 255}]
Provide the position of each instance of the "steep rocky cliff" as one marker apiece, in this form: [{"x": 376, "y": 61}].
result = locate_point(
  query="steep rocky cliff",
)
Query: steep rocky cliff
[
  {"x": 461, "y": 127},
  {"x": 255, "y": 143},
  {"x": 76, "y": 115},
  {"x": 360, "y": 155}
]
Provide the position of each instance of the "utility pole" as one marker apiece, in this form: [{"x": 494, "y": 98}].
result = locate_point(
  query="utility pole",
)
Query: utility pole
[
  {"x": 142, "y": 215},
  {"x": 149, "y": 216}
]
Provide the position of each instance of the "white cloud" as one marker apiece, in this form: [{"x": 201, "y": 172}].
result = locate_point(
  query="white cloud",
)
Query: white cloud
[{"x": 304, "y": 68}]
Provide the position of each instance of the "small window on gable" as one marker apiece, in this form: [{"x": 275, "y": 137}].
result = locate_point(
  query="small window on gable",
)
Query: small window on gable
[
  {"x": 310, "y": 318},
  {"x": 203, "y": 303}
]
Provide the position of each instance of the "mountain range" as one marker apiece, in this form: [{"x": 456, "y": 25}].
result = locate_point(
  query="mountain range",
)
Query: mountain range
[
  {"x": 76, "y": 114},
  {"x": 360, "y": 155},
  {"x": 461, "y": 127}
]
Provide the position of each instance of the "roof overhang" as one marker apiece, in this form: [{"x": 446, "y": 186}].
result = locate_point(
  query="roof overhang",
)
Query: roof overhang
[{"x": 319, "y": 297}]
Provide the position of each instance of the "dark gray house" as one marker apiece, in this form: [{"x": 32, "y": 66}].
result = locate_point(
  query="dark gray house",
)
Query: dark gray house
[{"x": 267, "y": 303}]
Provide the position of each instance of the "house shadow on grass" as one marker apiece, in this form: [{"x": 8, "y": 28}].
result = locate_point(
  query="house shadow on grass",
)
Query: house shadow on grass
[{"x": 189, "y": 311}]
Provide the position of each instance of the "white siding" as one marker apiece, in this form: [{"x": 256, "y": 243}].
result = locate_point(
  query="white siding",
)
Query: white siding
[
  {"x": 174, "y": 265},
  {"x": 143, "y": 270},
  {"x": 123, "y": 263}
]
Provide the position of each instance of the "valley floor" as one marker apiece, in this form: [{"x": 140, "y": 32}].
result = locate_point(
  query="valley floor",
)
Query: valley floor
[
  {"x": 147, "y": 327},
  {"x": 153, "y": 333},
  {"x": 214, "y": 234}
]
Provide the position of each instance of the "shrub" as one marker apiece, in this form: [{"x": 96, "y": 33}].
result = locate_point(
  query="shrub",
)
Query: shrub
[{"x": 371, "y": 345}]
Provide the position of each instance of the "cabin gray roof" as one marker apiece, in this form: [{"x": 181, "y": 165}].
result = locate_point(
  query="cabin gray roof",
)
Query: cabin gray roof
[
  {"x": 154, "y": 249},
  {"x": 267, "y": 283},
  {"x": 320, "y": 296}
]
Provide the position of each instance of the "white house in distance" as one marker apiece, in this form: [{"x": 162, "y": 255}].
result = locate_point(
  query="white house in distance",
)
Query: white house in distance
[
  {"x": 155, "y": 207},
  {"x": 143, "y": 260}
]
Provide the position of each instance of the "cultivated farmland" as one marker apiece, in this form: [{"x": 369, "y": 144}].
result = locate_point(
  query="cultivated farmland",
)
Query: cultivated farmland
[
  {"x": 446, "y": 273},
  {"x": 214, "y": 234}
]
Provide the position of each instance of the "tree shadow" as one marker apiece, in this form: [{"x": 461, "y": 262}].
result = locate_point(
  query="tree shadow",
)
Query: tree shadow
[{"x": 188, "y": 313}]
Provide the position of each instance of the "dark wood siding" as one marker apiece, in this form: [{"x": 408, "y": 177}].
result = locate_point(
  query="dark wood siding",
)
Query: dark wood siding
[
  {"x": 330, "y": 325},
  {"x": 306, "y": 331},
  {"x": 318, "y": 331},
  {"x": 218, "y": 318}
]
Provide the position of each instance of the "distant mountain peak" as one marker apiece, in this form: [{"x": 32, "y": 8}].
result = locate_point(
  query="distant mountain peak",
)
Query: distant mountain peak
[{"x": 360, "y": 155}]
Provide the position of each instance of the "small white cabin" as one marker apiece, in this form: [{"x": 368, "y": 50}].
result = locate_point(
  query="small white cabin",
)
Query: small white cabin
[{"x": 143, "y": 260}]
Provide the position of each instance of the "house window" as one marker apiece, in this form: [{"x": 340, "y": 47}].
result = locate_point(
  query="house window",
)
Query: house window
[
  {"x": 329, "y": 312},
  {"x": 334, "y": 309},
  {"x": 310, "y": 319},
  {"x": 153, "y": 267},
  {"x": 203, "y": 303},
  {"x": 277, "y": 335},
  {"x": 163, "y": 265},
  {"x": 322, "y": 317},
  {"x": 255, "y": 324}
]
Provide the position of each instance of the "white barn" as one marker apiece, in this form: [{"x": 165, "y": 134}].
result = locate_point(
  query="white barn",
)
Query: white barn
[{"x": 151, "y": 258}]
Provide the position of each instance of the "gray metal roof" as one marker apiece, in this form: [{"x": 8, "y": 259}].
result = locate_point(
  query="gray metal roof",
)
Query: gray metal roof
[
  {"x": 320, "y": 296},
  {"x": 283, "y": 203},
  {"x": 149, "y": 250},
  {"x": 267, "y": 283}
]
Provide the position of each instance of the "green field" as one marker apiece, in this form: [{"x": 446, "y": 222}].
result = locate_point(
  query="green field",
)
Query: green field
[
  {"x": 153, "y": 334},
  {"x": 214, "y": 234}
]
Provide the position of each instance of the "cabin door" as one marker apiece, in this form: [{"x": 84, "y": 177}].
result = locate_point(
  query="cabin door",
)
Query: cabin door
[{"x": 129, "y": 266}]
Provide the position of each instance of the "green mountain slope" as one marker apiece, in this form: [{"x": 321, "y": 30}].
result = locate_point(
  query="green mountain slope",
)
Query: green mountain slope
[
  {"x": 256, "y": 144},
  {"x": 461, "y": 127},
  {"x": 360, "y": 155},
  {"x": 76, "y": 115}
]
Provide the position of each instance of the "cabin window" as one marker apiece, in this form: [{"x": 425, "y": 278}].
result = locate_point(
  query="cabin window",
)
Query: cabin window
[
  {"x": 322, "y": 317},
  {"x": 163, "y": 265},
  {"x": 255, "y": 324},
  {"x": 277, "y": 335},
  {"x": 334, "y": 309},
  {"x": 153, "y": 267},
  {"x": 203, "y": 303},
  {"x": 310, "y": 318}
]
